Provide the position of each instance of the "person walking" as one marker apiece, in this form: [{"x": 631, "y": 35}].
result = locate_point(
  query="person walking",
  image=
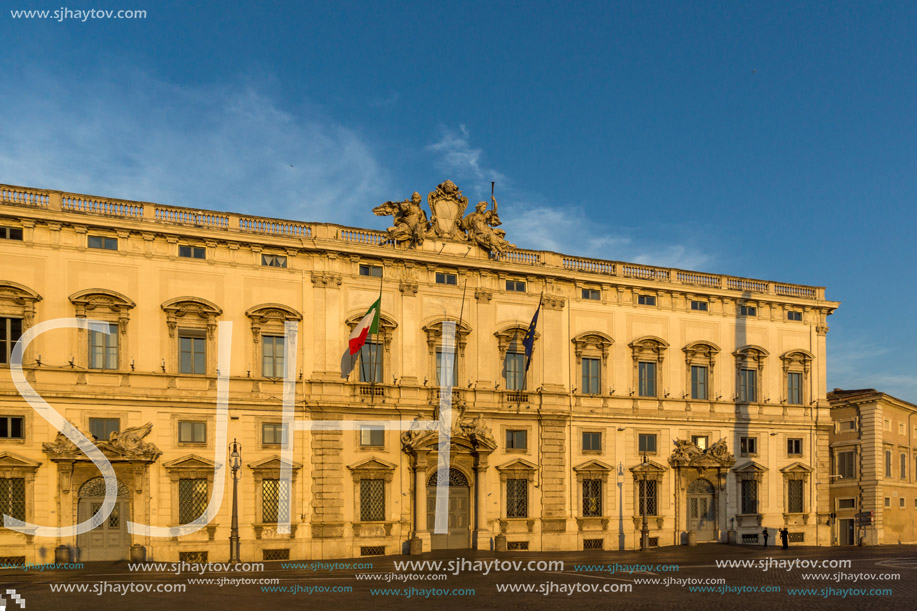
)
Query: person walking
[
  {"x": 785, "y": 537},
  {"x": 766, "y": 535}
]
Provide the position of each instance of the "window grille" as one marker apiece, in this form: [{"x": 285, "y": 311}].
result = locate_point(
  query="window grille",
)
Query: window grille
[
  {"x": 517, "y": 498},
  {"x": 192, "y": 499},
  {"x": 653, "y": 541},
  {"x": 592, "y": 497},
  {"x": 593, "y": 544},
  {"x": 647, "y": 491},
  {"x": 12, "y": 497},
  {"x": 372, "y": 500},
  {"x": 517, "y": 546},
  {"x": 750, "y": 538},
  {"x": 456, "y": 478},
  {"x": 193, "y": 557},
  {"x": 372, "y": 550},
  {"x": 794, "y": 496},
  {"x": 797, "y": 537},
  {"x": 275, "y": 500},
  {"x": 749, "y": 496},
  {"x": 12, "y": 562},
  {"x": 275, "y": 554}
]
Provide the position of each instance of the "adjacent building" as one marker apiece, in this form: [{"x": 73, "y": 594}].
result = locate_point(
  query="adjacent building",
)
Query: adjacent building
[
  {"x": 697, "y": 400},
  {"x": 873, "y": 457}
]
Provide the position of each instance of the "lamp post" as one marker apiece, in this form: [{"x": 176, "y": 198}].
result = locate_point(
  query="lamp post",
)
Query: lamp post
[
  {"x": 235, "y": 463},
  {"x": 645, "y": 531}
]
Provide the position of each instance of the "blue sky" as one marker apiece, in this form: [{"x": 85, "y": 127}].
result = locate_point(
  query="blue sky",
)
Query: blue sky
[{"x": 769, "y": 140}]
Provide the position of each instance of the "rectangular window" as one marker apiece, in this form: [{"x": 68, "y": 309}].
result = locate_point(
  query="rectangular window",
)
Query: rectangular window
[
  {"x": 746, "y": 310},
  {"x": 887, "y": 424},
  {"x": 272, "y": 356},
  {"x": 440, "y": 371},
  {"x": 10, "y": 332},
  {"x": 12, "y": 427},
  {"x": 275, "y": 500},
  {"x": 646, "y": 443},
  {"x": 698, "y": 382},
  {"x": 10, "y": 233},
  {"x": 517, "y": 498},
  {"x": 846, "y": 465},
  {"x": 888, "y": 502},
  {"x": 794, "y": 447},
  {"x": 372, "y": 500},
  {"x": 794, "y": 496},
  {"x": 446, "y": 278},
  {"x": 103, "y": 348},
  {"x": 592, "y": 382},
  {"x": 646, "y": 374},
  {"x": 749, "y": 496},
  {"x": 846, "y": 425},
  {"x": 515, "y": 285},
  {"x": 192, "y": 432},
  {"x": 592, "y": 294},
  {"x": 273, "y": 260},
  {"x": 901, "y": 502},
  {"x": 516, "y": 439},
  {"x": 794, "y": 388},
  {"x": 647, "y": 497},
  {"x": 514, "y": 370},
  {"x": 374, "y": 271},
  {"x": 700, "y": 441},
  {"x": 371, "y": 355},
  {"x": 102, "y": 428},
  {"x": 888, "y": 463},
  {"x": 846, "y": 503},
  {"x": 372, "y": 436},
  {"x": 748, "y": 446},
  {"x": 592, "y": 497},
  {"x": 647, "y": 300},
  {"x": 592, "y": 442},
  {"x": 105, "y": 243},
  {"x": 12, "y": 497},
  {"x": 192, "y": 499},
  {"x": 794, "y": 315},
  {"x": 192, "y": 355},
  {"x": 903, "y": 465},
  {"x": 700, "y": 306},
  {"x": 748, "y": 385},
  {"x": 192, "y": 252},
  {"x": 271, "y": 433}
]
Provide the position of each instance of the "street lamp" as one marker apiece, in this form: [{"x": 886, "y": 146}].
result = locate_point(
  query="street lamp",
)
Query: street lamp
[
  {"x": 645, "y": 532},
  {"x": 235, "y": 463}
]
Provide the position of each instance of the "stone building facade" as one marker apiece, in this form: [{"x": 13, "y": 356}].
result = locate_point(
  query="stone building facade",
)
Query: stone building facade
[
  {"x": 873, "y": 458},
  {"x": 697, "y": 399}
]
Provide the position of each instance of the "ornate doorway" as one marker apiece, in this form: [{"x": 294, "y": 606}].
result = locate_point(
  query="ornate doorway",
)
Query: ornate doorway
[
  {"x": 702, "y": 509},
  {"x": 109, "y": 540},
  {"x": 459, "y": 536}
]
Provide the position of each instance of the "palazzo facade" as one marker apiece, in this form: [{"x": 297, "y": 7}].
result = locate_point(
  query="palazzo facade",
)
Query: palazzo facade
[{"x": 696, "y": 399}]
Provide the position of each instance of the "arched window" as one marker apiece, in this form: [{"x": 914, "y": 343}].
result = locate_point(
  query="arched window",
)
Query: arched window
[
  {"x": 512, "y": 355},
  {"x": 192, "y": 322},
  {"x": 268, "y": 336},
  {"x": 434, "y": 333},
  {"x": 700, "y": 359},
  {"x": 648, "y": 353},
  {"x": 103, "y": 350},
  {"x": 796, "y": 367},
  {"x": 17, "y": 314},
  {"x": 749, "y": 373},
  {"x": 376, "y": 354},
  {"x": 592, "y": 350}
]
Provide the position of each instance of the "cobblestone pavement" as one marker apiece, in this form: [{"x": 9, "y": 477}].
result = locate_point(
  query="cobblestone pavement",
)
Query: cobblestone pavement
[{"x": 876, "y": 578}]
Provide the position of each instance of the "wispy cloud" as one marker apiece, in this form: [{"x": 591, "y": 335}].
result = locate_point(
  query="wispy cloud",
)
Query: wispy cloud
[
  {"x": 863, "y": 363},
  {"x": 229, "y": 147},
  {"x": 561, "y": 227}
]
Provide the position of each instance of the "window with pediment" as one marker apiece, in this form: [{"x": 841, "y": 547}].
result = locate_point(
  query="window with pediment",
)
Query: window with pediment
[
  {"x": 648, "y": 354},
  {"x": 700, "y": 359},
  {"x": 17, "y": 315},
  {"x": 512, "y": 355},
  {"x": 797, "y": 365},
  {"x": 269, "y": 340},
  {"x": 439, "y": 358},
  {"x": 592, "y": 351},
  {"x": 105, "y": 346},
  {"x": 375, "y": 361},
  {"x": 749, "y": 362},
  {"x": 192, "y": 323}
]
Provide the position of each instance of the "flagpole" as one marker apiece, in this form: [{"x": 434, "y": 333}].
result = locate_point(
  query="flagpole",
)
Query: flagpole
[
  {"x": 374, "y": 348},
  {"x": 458, "y": 331},
  {"x": 528, "y": 360}
]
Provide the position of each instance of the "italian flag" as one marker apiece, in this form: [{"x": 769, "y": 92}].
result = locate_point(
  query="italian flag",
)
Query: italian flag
[{"x": 368, "y": 324}]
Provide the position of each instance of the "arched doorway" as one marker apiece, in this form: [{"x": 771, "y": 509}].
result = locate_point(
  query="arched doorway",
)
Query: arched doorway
[
  {"x": 109, "y": 540},
  {"x": 459, "y": 536},
  {"x": 702, "y": 509}
]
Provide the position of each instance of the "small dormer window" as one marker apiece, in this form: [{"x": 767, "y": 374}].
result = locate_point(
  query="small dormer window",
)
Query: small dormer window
[
  {"x": 446, "y": 278},
  {"x": 374, "y": 271},
  {"x": 747, "y": 310},
  {"x": 647, "y": 300},
  {"x": 794, "y": 315},
  {"x": 515, "y": 285}
]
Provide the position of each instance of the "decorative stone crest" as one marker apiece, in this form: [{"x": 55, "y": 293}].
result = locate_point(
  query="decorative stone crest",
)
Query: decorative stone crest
[
  {"x": 447, "y": 205},
  {"x": 687, "y": 454},
  {"x": 128, "y": 445}
]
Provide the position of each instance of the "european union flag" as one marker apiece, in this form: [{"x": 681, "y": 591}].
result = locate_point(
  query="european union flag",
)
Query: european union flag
[{"x": 528, "y": 342}]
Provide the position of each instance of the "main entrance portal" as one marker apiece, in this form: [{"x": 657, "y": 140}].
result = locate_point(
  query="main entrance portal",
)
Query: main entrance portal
[
  {"x": 109, "y": 540},
  {"x": 701, "y": 509},
  {"x": 459, "y": 536}
]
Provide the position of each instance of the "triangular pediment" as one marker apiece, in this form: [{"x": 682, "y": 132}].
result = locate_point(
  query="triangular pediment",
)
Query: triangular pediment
[
  {"x": 517, "y": 464},
  {"x": 373, "y": 464},
  {"x": 797, "y": 467},
  {"x": 273, "y": 463},
  {"x": 650, "y": 466},
  {"x": 191, "y": 461},
  {"x": 750, "y": 467},
  {"x": 10, "y": 460},
  {"x": 594, "y": 465}
]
